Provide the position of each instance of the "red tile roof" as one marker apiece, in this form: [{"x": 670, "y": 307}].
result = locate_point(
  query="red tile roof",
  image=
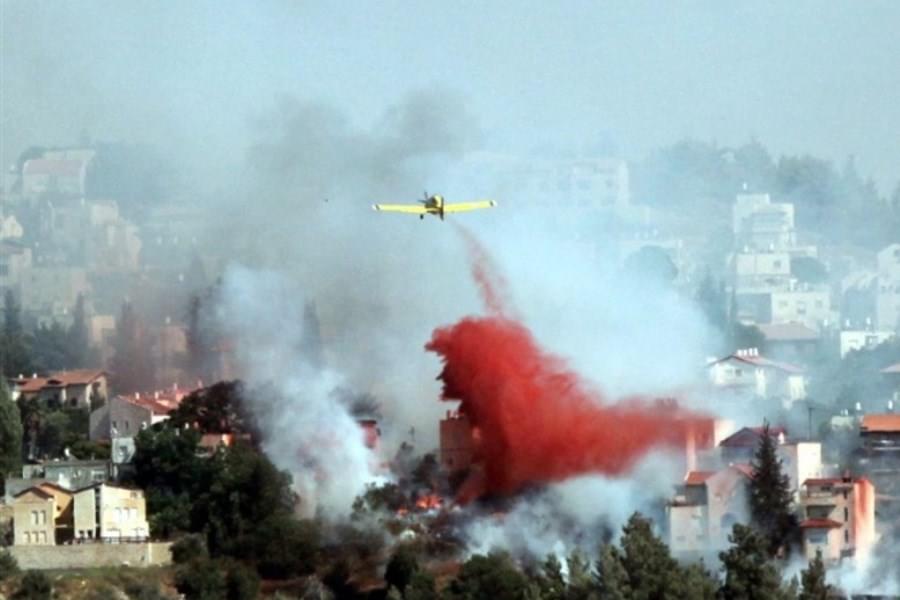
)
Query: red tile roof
[
  {"x": 762, "y": 362},
  {"x": 886, "y": 423},
  {"x": 819, "y": 524},
  {"x": 60, "y": 379},
  {"x": 697, "y": 477},
  {"x": 749, "y": 437}
]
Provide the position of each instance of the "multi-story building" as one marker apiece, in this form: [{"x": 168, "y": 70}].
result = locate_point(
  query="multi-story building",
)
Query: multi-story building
[
  {"x": 110, "y": 513},
  {"x": 33, "y": 517},
  {"x": 862, "y": 339},
  {"x": 839, "y": 518},
  {"x": 77, "y": 388},
  {"x": 705, "y": 509},
  {"x": 760, "y": 224},
  {"x": 792, "y": 342},
  {"x": 746, "y": 373}
]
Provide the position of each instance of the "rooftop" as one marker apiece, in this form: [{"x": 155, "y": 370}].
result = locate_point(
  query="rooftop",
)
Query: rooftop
[
  {"x": 50, "y": 166},
  {"x": 749, "y": 437},
  {"x": 59, "y": 379},
  {"x": 884, "y": 423}
]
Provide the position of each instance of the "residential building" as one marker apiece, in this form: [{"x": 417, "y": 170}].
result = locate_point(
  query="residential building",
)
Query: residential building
[
  {"x": 110, "y": 513},
  {"x": 76, "y": 388},
  {"x": 456, "y": 444},
  {"x": 705, "y": 509},
  {"x": 123, "y": 417},
  {"x": 878, "y": 456},
  {"x": 746, "y": 373},
  {"x": 793, "y": 342},
  {"x": 862, "y": 339},
  {"x": 839, "y": 518},
  {"x": 887, "y": 299},
  {"x": 70, "y": 474},
  {"x": 792, "y": 304},
  {"x": 62, "y": 176},
  {"x": 800, "y": 459},
  {"x": 756, "y": 270},
  {"x": 761, "y": 224},
  {"x": 33, "y": 512}
]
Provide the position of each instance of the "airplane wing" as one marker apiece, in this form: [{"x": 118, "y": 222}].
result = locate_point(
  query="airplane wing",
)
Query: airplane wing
[
  {"x": 401, "y": 208},
  {"x": 466, "y": 206}
]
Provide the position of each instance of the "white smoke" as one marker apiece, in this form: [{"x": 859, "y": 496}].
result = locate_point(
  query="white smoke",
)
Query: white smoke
[
  {"x": 578, "y": 513},
  {"x": 308, "y": 431}
]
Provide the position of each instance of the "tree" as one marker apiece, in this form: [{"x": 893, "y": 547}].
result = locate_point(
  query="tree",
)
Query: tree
[
  {"x": 581, "y": 580},
  {"x": 50, "y": 348},
  {"x": 771, "y": 498},
  {"x": 550, "y": 581},
  {"x": 652, "y": 572},
  {"x": 200, "y": 579},
  {"x": 698, "y": 582},
  {"x": 15, "y": 354},
  {"x": 493, "y": 576},
  {"x": 749, "y": 575},
  {"x": 813, "y": 580},
  {"x": 8, "y": 565},
  {"x": 241, "y": 583},
  {"x": 421, "y": 586},
  {"x": 35, "y": 586},
  {"x": 10, "y": 435},
  {"x": 612, "y": 578},
  {"x": 712, "y": 301},
  {"x": 401, "y": 567}
]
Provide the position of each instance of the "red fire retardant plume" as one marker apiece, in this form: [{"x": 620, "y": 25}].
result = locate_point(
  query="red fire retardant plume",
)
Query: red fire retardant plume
[{"x": 533, "y": 419}]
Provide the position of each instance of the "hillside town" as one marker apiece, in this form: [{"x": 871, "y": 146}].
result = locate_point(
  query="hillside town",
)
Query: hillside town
[{"x": 560, "y": 301}]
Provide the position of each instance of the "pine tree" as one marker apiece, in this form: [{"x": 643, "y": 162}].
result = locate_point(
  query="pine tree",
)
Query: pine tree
[
  {"x": 771, "y": 498},
  {"x": 550, "y": 580},
  {"x": 652, "y": 572},
  {"x": 698, "y": 583},
  {"x": 10, "y": 434},
  {"x": 581, "y": 580},
  {"x": 749, "y": 575},
  {"x": 612, "y": 578},
  {"x": 813, "y": 578}
]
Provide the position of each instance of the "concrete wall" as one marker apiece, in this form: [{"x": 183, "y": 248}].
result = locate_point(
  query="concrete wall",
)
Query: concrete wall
[{"x": 79, "y": 556}]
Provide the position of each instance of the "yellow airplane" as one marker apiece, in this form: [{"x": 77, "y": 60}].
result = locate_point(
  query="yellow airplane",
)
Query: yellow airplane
[{"x": 434, "y": 205}]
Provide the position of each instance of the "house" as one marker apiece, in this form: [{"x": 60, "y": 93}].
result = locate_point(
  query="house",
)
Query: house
[
  {"x": 33, "y": 512},
  {"x": 123, "y": 417},
  {"x": 757, "y": 270},
  {"x": 78, "y": 388},
  {"x": 54, "y": 175},
  {"x": 800, "y": 460},
  {"x": 70, "y": 474},
  {"x": 747, "y": 373},
  {"x": 838, "y": 518},
  {"x": 761, "y": 224},
  {"x": 705, "y": 508},
  {"x": 110, "y": 513},
  {"x": 793, "y": 342},
  {"x": 862, "y": 339}
]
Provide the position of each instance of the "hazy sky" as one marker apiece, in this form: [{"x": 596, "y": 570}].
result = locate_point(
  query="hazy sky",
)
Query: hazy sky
[{"x": 817, "y": 77}]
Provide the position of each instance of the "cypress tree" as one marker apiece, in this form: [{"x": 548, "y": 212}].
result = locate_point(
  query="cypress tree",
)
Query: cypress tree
[{"x": 770, "y": 497}]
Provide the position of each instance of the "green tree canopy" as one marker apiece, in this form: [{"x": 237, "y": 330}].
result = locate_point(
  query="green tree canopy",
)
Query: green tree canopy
[
  {"x": 770, "y": 497},
  {"x": 749, "y": 574}
]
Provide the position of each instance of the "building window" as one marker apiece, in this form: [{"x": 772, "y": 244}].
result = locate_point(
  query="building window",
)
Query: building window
[
  {"x": 845, "y": 494},
  {"x": 43, "y": 517},
  {"x": 43, "y": 537},
  {"x": 27, "y": 537},
  {"x": 846, "y": 536},
  {"x": 34, "y": 518},
  {"x": 846, "y": 514}
]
